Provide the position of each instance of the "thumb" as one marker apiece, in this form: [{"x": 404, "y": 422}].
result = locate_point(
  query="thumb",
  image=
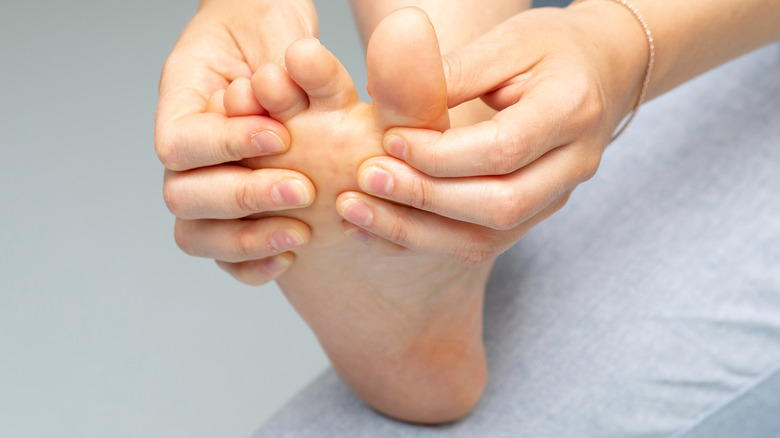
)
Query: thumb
[{"x": 487, "y": 63}]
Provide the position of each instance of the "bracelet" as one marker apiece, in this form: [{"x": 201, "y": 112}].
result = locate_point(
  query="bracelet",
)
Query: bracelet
[{"x": 650, "y": 63}]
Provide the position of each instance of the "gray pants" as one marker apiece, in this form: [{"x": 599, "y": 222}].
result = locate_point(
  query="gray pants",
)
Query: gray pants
[{"x": 649, "y": 306}]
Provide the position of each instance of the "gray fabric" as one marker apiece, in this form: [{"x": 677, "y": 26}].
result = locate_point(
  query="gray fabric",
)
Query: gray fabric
[{"x": 649, "y": 306}]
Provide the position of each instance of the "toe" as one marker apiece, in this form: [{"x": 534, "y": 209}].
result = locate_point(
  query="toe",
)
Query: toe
[
  {"x": 320, "y": 74},
  {"x": 405, "y": 74},
  {"x": 216, "y": 102},
  {"x": 240, "y": 101},
  {"x": 277, "y": 92}
]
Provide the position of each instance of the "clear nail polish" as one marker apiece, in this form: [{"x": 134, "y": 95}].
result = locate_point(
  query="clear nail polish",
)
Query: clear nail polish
[
  {"x": 291, "y": 192},
  {"x": 377, "y": 180},
  {"x": 268, "y": 142},
  {"x": 284, "y": 240},
  {"x": 357, "y": 212},
  {"x": 395, "y": 146}
]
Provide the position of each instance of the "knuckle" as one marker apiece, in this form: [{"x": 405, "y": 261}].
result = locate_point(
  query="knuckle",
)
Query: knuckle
[
  {"x": 591, "y": 166},
  {"x": 421, "y": 193},
  {"x": 398, "y": 233},
  {"x": 435, "y": 163},
  {"x": 561, "y": 202},
  {"x": 166, "y": 151},
  {"x": 172, "y": 199},
  {"x": 454, "y": 72},
  {"x": 181, "y": 237},
  {"x": 591, "y": 103},
  {"x": 587, "y": 164},
  {"x": 245, "y": 244},
  {"x": 511, "y": 147},
  {"x": 233, "y": 147},
  {"x": 505, "y": 211},
  {"x": 247, "y": 198}
]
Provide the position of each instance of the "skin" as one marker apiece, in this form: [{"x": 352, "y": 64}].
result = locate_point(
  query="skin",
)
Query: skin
[
  {"x": 559, "y": 98},
  {"x": 227, "y": 40},
  {"x": 561, "y": 86},
  {"x": 404, "y": 332}
]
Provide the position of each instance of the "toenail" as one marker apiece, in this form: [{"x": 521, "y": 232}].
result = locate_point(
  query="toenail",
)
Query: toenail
[
  {"x": 268, "y": 142},
  {"x": 377, "y": 180},
  {"x": 359, "y": 235},
  {"x": 291, "y": 192},
  {"x": 395, "y": 146},
  {"x": 356, "y": 212},
  {"x": 283, "y": 240},
  {"x": 275, "y": 263}
]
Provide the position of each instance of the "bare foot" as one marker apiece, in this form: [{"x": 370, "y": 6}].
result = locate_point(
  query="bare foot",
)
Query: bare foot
[{"x": 405, "y": 332}]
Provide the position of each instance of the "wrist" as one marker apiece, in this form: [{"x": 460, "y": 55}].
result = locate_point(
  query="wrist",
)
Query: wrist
[{"x": 619, "y": 44}]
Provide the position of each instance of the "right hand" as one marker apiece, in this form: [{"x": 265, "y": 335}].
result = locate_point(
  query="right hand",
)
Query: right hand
[
  {"x": 227, "y": 40},
  {"x": 561, "y": 86}
]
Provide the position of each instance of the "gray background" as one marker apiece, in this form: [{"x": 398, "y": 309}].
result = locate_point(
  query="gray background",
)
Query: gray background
[{"x": 106, "y": 328}]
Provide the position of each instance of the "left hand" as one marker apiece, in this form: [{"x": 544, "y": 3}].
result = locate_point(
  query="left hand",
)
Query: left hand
[{"x": 561, "y": 86}]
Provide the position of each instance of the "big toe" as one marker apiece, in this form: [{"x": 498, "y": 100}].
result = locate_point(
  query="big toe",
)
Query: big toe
[{"x": 405, "y": 74}]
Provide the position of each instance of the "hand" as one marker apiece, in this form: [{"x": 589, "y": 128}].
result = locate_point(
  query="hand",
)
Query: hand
[
  {"x": 561, "y": 87},
  {"x": 227, "y": 40}
]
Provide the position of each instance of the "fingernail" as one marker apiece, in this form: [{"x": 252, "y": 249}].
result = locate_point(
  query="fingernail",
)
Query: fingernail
[
  {"x": 356, "y": 212},
  {"x": 395, "y": 146},
  {"x": 291, "y": 192},
  {"x": 358, "y": 234},
  {"x": 283, "y": 240},
  {"x": 275, "y": 263},
  {"x": 376, "y": 180},
  {"x": 268, "y": 142}
]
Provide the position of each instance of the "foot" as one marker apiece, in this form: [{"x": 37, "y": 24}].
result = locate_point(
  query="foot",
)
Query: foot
[{"x": 405, "y": 332}]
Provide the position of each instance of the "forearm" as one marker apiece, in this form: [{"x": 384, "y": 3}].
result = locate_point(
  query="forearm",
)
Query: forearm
[{"x": 694, "y": 36}]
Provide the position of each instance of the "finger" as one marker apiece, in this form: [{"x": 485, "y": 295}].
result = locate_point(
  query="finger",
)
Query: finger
[
  {"x": 427, "y": 233},
  {"x": 229, "y": 192},
  {"x": 207, "y": 139},
  {"x": 379, "y": 244},
  {"x": 188, "y": 79},
  {"x": 258, "y": 272},
  {"x": 481, "y": 66},
  {"x": 498, "y": 202},
  {"x": 240, "y": 240},
  {"x": 216, "y": 102},
  {"x": 418, "y": 230},
  {"x": 240, "y": 100},
  {"x": 543, "y": 119},
  {"x": 186, "y": 135}
]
